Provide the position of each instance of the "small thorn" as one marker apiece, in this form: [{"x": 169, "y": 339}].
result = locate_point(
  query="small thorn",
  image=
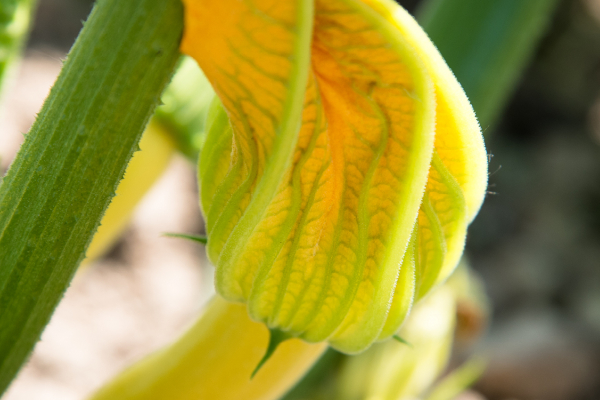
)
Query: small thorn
[
  {"x": 403, "y": 341},
  {"x": 276, "y": 337},
  {"x": 194, "y": 238}
]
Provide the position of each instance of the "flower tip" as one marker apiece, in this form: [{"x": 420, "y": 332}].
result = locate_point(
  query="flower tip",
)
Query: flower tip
[
  {"x": 193, "y": 238},
  {"x": 276, "y": 337},
  {"x": 402, "y": 340}
]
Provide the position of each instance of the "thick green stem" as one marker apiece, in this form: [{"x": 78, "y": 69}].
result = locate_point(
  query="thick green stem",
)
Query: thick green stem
[
  {"x": 487, "y": 44},
  {"x": 65, "y": 174}
]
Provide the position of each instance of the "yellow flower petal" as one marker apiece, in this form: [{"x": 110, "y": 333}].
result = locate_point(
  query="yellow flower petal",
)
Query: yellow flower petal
[
  {"x": 458, "y": 143},
  {"x": 316, "y": 169},
  {"x": 214, "y": 360},
  {"x": 392, "y": 370}
]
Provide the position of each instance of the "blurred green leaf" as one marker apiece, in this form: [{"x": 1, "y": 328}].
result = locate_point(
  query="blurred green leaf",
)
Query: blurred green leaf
[
  {"x": 15, "y": 19},
  {"x": 66, "y": 172},
  {"x": 319, "y": 382},
  {"x": 186, "y": 102},
  {"x": 487, "y": 44}
]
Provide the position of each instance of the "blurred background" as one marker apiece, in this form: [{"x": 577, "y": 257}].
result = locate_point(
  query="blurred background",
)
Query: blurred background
[{"x": 535, "y": 243}]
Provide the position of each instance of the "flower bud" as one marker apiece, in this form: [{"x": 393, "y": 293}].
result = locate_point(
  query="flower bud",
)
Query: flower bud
[{"x": 341, "y": 166}]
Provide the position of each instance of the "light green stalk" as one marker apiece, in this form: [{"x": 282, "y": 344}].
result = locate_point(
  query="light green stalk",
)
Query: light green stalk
[
  {"x": 458, "y": 380},
  {"x": 66, "y": 172}
]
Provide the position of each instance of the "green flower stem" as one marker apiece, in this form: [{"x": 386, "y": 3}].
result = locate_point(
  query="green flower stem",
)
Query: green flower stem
[
  {"x": 66, "y": 173},
  {"x": 487, "y": 44},
  {"x": 15, "y": 19}
]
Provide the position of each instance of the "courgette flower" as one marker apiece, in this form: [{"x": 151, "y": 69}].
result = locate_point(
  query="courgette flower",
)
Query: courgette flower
[{"x": 341, "y": 167}]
